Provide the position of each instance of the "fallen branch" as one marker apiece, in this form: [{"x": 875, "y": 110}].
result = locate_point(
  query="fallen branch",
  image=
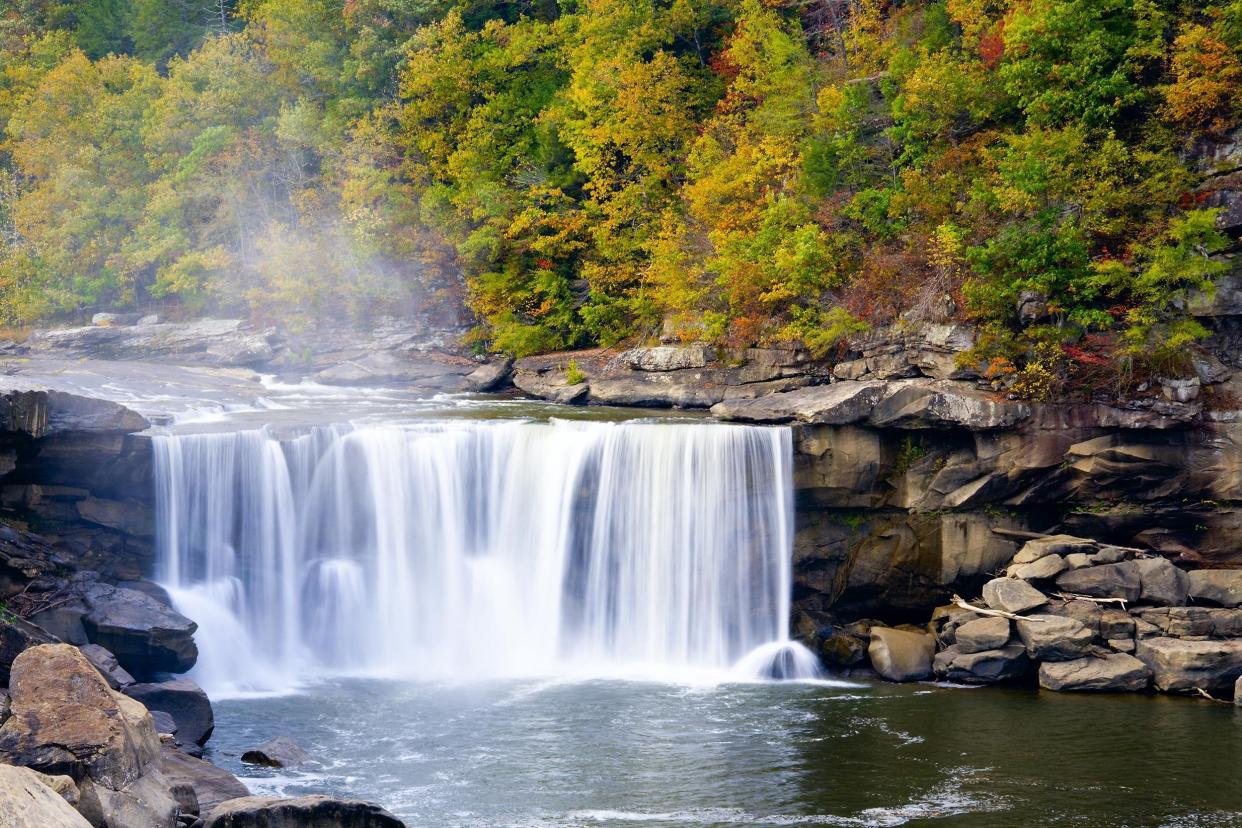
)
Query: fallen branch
[
  {"x": 1074, "y": 596},
  {"x": 1020, "y": 534},
  {"x": 961, "y": 602},
  {"x": 1211, "y": 698}
]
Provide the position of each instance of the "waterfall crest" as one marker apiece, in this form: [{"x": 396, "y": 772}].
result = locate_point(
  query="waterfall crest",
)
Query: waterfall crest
[{"x": 476, "y": 548}]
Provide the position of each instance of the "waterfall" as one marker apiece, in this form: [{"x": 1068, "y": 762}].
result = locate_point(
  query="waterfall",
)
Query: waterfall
[{"x": 477, "y": 548}]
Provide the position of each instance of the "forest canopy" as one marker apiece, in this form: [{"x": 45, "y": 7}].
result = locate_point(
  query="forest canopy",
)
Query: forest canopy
[{"x": 592, "y": 172}]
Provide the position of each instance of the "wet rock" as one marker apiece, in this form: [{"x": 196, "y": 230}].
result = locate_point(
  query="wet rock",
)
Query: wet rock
[
  {"x": 1011, "y": 595},
  {"x": 107, "y": 665},
  {"x": 420, "y": 370},
  {"x": 279, "y": 752},
  {"x": 303, "y": 812},
  {"x": 1161, "y": 582},
  {"x": 1050, "y": 637},
  {"x": 27, "y": 801},
  {"x": 184, "y": 701},
  {"x": 982, "y": 634},
  {"x": 145, "y": 636},
  {"x": 987, "y": 667},
  {"x": 211, "y": 785},
  {"x": 1120, "y": 580},
  {"x": 67, "y": 413},
  {"x": 676, "y": 389},
  {"x": 1115, "y": 672},
  {"x": 1218, "y": 586},
  {"x": 1180, "y": 666},
  {"x": 898, "y": 655}
]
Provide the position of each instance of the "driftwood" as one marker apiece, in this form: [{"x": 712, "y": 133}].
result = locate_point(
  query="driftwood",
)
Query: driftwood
[
  {"x": 1205, "y": 694},
  {"x": 961, "y": 602},
  {"x": 1073, "y": 596},
  {"x": 1020, "y": 534}
]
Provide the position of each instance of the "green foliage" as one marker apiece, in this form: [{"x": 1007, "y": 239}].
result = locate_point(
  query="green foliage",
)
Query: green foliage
[
  {"x": 573, "y": 374},
  {"x": 604, "y": 171}
]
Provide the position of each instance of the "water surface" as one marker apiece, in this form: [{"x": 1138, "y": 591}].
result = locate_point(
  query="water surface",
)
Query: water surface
[{"x": 623, "y": 753}]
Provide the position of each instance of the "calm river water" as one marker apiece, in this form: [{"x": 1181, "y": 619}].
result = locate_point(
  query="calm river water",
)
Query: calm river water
[{"x": 624, "y": 753}]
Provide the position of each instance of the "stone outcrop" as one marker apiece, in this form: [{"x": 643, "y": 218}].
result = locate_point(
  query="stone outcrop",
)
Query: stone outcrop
[
  {"x": 303, "y": 812},
  {"x": 278, "y": 752},
  {"x": 1184, "y": 666}
]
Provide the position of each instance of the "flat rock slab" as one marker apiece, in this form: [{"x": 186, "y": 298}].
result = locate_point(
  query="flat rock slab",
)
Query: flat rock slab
[
  {"x": 1180, "y": 666},
  {"x": 1012, "y": 595},
  {"x": 1110, "y": 673},
  {"x": 982, "y": 634},
  {"x": 1050, "y": 637},
  {"x": 987, "y": 667},
  {"x": 1119, "y": 580}
]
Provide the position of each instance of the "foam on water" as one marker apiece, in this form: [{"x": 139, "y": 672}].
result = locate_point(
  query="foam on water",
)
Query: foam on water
[{"x": 482, "y": 549}]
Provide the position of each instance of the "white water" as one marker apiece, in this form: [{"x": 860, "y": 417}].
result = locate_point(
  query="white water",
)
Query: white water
[{"x": 479, "y": 549}]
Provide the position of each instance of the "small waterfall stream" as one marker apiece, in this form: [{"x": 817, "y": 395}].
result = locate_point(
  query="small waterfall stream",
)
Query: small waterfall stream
[{"x": 480, "y": 548}]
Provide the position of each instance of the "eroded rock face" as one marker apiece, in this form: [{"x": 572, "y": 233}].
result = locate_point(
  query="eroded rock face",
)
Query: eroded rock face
[{"x": 303, "y": 812}]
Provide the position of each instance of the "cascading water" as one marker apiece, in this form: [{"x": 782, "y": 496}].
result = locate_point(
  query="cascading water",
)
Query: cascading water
[{"x": 480, "y": 548}]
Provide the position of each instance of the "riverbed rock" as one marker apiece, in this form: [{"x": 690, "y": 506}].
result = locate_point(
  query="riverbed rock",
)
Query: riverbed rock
[
  {"x": 212, "y": 785},
  {"x": 184, "y": 701},
  {"x": 278, "y": 752},
  {"x": 1050, "y": 637},
  {"x": 146, "y": 636},
  {"x": 1160, "y": 582},
  {"x": 1119, "y": 580},
  {"x": 899, "y": 655},
  {"x": 986, "y": 667},
  {"x": 1218, "y": 586},
  {"x": 107, "y": 665},
  {"x": 982, "y": 634},
  {"x": 1115, "y": 672},
  {"x": 1180, "y": 666},
  {"x": 1012, "y": 595},
  {"x": 28, "y": 801},
  {"x": 303, "y": 812}
]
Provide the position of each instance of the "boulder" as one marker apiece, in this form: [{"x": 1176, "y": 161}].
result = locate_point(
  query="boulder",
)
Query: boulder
[
  {"x": 982, "y": 634},
  {"x": 184, "y": 701},
  {"x": 946, "y": 404},
  {"x": 1217, "y": 586},
  {"x": 211, "y": 785},
  {"x": 1160, "y": 582},
  {"x": 279, "y": 752},
  {"x": 164, "y": 723},
  {"x": 1115, "y": 623},
  {"x": 65, "y": 719},
  {"x": 105, "y": 662},
  {"x": 1043, "y": 569},
  {"x": 1038, "y": 548},
  {"x": 667, "y": 357},
  {"x": 1012, "y": 595},
  {"x": 146, "y": 636},
  {"x": 1237, "y": 692},
  {"x": 1180, "y": 666},
  {"x": 490, "y": 376},
  {"x": 1050, "y": 637},
  {"x": 1087, "y": 613},
  {"x": 898, "y": 655},
  {"x": 841, "y": 403},
  {"x": 987, "y": 667},
  {"x": 303, "y": 812},
  {"x": 1114, "y": 672},
  {"x": 1119, "y": 580},
  {"x": 27, "y": 801}
]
